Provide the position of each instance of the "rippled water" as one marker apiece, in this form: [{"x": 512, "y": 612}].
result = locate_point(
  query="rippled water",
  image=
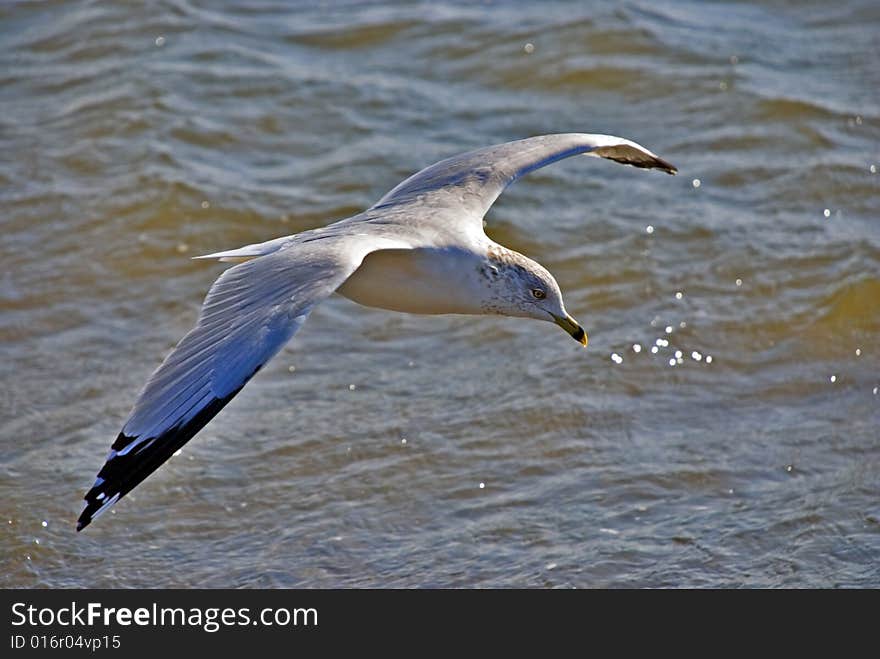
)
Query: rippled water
[{"x": 382, "y": 449}]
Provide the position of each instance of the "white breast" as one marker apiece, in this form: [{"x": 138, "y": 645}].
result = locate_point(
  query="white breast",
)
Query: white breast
[{"x": 424, "y": 280}]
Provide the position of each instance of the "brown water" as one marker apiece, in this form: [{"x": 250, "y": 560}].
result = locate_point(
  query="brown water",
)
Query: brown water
[{"x": 134, "y": 138}]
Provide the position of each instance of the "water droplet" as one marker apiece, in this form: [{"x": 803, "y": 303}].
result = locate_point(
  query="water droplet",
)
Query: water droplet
[
  {"x": 739, "y": 282},
  {"x": 708, "y": 359},
  {"x": 637, "y": 348},
  {"x": 482, "y": 486},
  {"x": 672, "y": 361},
  {"x": 833, "y": 379},
  {"x": 160, "y": 41},
  {"x": 678, "y": 354},
  {"x": 858, "y": 352},
  {"x": 696, "y": 183},
  {"x": 351, "y": 387},
  {"x": 669, "y": 329},
  {"x": 661, "y": 343},
  {"x": 654, "y": 350},
  {"x": 696, "y": 356},
  {"x": 789, "y": 468},
  {"x": 529, "y": 48},
  {"x": 617, "y": 359},
  {"x": 827, "y": 212},
  {"x": 679, "y": 295},
  {"x": 44, "y": 523},
  {"x": 36, "y": 541},
  {"x": 649, "y": 229}
]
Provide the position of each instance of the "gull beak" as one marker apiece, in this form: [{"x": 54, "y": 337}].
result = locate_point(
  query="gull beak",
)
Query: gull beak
[{"x": 571, "y": 326}]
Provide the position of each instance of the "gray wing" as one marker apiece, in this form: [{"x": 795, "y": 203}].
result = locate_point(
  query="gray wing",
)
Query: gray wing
[
  {"x": 468, "y": 184},
  {"x": 251, "y": 311}
]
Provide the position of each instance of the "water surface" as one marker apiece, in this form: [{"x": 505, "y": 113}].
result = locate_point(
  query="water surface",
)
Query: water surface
[{"x": 382, "y": 449}]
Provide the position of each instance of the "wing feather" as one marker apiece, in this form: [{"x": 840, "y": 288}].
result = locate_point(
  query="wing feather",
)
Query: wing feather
[
  {"x": 469, "y": 183},
  {"x": 251, "y": 311}
]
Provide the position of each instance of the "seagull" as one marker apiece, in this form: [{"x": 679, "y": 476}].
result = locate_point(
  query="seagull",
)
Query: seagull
[{"x": 420, "y": 249}]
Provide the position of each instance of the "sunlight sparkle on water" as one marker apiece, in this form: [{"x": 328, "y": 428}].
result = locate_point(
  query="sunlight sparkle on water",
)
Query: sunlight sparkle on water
[
  {"x": 649, "y": 229},
  {"x": 637, "y": 347},
  {"x": 529, "y": 48},
  {"x": 679, "y": 295},
  {"x": 617, "y": 359},
  {"x": 696, "y": 183},
  {"x": 827, "y": 212},
  {"x": 160, "y": 41},
  {"x": 654, "y": 350}
]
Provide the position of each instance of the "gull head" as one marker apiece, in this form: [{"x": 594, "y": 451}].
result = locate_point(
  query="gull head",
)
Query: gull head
[{"x": 519, "y": 286}]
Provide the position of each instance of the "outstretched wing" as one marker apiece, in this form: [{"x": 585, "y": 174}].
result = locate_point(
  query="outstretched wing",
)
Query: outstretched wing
[
  {"x": 251, "y": 311},
  {"x": 469, "y": 184}
]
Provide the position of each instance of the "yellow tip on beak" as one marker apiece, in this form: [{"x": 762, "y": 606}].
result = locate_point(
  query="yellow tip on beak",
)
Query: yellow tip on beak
[{"x": 571, "y": 326}]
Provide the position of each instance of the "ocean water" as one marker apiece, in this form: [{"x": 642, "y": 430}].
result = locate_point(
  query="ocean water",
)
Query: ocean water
[{"x": 389, "y": 450}]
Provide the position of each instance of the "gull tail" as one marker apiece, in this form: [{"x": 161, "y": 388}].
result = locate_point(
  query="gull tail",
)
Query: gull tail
[{"x": 249, "y": 252}]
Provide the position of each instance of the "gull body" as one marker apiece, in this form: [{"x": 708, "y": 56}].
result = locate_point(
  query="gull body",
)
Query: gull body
[
  {"x": 475, "y": 281},
  {"x": 420, "y": 249}
]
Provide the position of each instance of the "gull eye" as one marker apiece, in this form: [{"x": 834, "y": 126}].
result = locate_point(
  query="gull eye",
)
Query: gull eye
[{"x": 538, "y": 294}]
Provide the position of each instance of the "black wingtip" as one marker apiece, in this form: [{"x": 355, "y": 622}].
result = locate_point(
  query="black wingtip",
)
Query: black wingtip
[
  {"x": 665, "y": 166},
  {"x": 125, "y": 469}
]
